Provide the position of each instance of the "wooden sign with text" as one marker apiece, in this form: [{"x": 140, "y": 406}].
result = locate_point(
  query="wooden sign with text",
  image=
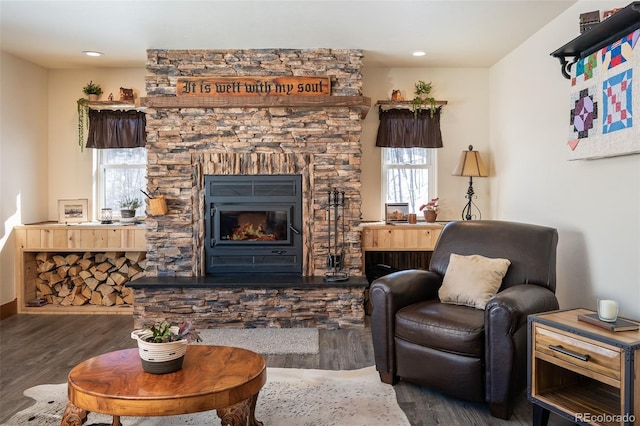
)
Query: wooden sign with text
[{"x": 253, "y": 86}]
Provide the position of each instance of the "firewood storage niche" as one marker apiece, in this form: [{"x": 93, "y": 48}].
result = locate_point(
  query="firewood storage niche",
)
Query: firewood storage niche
[{"x": 90, "y": 264}]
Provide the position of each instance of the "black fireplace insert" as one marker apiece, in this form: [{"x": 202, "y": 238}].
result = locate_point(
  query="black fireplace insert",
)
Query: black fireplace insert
[{"x": 253, "y": 224}]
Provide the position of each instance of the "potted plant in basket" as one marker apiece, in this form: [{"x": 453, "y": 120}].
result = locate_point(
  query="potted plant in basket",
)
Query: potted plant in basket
[
  {"x": 128, "y": 207},
  {"x": 430, "y": 210},
  {"x": 162, "y": 345}
]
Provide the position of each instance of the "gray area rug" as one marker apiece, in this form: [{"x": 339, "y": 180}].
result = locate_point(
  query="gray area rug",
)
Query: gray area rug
[
  {"x": 291, "y": 397},
  {"x": 264, "y": 340}
]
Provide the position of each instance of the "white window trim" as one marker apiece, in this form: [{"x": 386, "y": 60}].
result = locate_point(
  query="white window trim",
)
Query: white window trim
[
  {"x": 431, "y": 167},
  {"x": 98, "y": 191},
  {"x": 98, "y": 195}
]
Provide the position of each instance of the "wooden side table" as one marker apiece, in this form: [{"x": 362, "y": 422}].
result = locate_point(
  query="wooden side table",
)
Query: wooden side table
[
  {"x": 582, "y": 372},
  {"x": 220, "y": 378}
]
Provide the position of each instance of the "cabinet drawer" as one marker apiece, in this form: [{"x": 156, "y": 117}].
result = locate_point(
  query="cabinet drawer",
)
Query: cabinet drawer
[
  {"x": 399, "y": 238},
  {"x": 595, "y": 357}
]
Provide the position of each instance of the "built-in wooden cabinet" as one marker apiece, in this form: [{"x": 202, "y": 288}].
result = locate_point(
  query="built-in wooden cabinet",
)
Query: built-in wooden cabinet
[
  {"x": 400, "y": 237},
  {"x": 401, "y": 246},
  {"x": 52, "y": 237}
]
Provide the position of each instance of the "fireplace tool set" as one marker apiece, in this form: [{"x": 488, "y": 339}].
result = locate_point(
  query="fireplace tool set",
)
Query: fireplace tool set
[{"x": 335, "y": 258}]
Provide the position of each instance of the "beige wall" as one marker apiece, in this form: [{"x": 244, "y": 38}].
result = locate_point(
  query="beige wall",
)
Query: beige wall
[
  {"x": 595, "y": 204},
  {"x": 23, "y": 156},
  {"x": 70, "y": 170},
  {"x": 464, "y": 122}
]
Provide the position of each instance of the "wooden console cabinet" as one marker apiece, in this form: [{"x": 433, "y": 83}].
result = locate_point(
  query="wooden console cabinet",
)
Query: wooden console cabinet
[
  {"x": 51, "y": 237},
  {"x": 401, "y": 246},
  {"x": 582, "y": 372},
  {"x": 401, "y": 237}
]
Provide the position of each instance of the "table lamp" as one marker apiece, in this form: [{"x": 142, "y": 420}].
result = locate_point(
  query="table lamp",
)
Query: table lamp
[{"x": 470, "y": 164}]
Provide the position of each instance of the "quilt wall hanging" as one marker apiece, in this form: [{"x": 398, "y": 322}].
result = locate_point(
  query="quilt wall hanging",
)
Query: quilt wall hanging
[{"x": 605, "y": 93}]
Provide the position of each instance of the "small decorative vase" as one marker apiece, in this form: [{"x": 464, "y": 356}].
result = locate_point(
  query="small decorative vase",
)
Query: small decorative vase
[
  {"x": 159, "y": 358},
  {"x": 430, "y": 215},
  {"x": 93, "y": 97},
  {"x": 127, "y": 216}
]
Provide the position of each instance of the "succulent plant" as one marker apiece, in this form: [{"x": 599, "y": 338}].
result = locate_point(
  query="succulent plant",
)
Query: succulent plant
[{"x": 164, "y": 332}]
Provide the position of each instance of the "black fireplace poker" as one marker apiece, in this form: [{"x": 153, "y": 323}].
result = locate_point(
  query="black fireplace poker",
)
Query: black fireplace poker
[{"x": 335, "y": 258}]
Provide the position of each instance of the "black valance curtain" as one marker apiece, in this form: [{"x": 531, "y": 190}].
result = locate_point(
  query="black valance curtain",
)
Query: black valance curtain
[
  {"x": 116, "y": 129},
  {"x": 400, "y": 128}
]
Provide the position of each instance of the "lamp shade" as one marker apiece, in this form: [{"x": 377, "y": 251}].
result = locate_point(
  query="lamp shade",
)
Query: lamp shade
[{"x": 470, "y": 164}]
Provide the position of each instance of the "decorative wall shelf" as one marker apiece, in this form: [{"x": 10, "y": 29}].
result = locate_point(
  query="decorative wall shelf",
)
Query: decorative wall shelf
[
  {"x": 603, "y": 34},
  {"x": 404, "y": 104},
  {"x": 115, "y": 105},
  {"x": 361, "y": 102}
]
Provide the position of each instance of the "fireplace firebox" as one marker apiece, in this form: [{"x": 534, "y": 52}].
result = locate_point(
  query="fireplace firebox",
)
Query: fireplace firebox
[{"x": 253, "y": 224}]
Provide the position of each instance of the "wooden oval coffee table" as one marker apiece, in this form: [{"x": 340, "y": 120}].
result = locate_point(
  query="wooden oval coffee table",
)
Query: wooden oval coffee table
[{"x": 220, "y": 378}]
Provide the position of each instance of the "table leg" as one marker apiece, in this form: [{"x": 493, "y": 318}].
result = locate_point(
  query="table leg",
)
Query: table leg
[
  {"x": 252, "y": 421},
  {"x": 241, "y": 414},
  {"x": 73, "y": 416},
  {"x": 540, "y": 415}
]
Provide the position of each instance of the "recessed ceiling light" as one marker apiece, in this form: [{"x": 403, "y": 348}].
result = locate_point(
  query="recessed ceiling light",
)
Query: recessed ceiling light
[
  {"x": 92, "y": 53},
  {"x": 419, "y": 53}
]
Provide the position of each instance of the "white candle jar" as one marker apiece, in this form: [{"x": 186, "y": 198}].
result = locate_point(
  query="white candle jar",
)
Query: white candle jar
[{"x": 607, "y": 310}]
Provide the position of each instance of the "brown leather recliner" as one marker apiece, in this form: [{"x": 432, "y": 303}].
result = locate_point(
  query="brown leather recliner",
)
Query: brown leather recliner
[{"x": 468, "y": 353}]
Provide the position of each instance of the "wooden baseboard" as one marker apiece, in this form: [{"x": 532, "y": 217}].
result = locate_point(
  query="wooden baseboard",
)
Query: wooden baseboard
[{"x": 9, "y": 309}]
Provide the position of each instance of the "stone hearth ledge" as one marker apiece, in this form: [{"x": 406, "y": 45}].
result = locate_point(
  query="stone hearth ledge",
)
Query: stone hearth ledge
[
  {"x": 244, "y": 281},
  {"x": 247, "y": 301}
]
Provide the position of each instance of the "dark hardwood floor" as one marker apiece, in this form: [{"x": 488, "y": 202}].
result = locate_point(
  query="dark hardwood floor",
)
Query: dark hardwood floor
[{"x": 39, "y": 349}]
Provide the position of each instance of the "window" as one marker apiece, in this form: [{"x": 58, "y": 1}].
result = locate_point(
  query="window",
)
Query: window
[
  {"x": 409, "y": 176},
  {"x": 120, "y": 173}
]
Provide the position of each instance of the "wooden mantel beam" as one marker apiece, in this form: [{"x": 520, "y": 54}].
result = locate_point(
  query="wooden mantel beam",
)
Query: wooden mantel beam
[{"x": 361, "y": 102}]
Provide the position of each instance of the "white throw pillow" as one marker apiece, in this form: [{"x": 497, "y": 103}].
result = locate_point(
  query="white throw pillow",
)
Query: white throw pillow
[{"x": 472, "y": 280}]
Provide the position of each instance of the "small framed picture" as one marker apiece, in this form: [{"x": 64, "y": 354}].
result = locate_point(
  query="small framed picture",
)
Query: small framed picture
[
  {"x": 73, "y": 211},
  {"x": 396, "y": 212}
]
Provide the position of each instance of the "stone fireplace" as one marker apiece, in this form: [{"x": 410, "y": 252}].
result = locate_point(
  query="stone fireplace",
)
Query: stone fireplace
[
  {"x": 188, "y": 140},
  {"x": 184, "y": 144}
]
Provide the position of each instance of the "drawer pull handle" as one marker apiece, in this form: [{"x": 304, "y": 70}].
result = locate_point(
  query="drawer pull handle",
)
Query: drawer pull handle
[{"x": 562, "y": 350}]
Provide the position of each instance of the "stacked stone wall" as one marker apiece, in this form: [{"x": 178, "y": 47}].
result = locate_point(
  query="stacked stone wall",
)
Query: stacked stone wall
[
  {"x": 184, "y": 144},
  {"x": 317, "y": 307}
]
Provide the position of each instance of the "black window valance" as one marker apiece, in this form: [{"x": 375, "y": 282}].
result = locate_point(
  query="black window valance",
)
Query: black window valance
[
  {"x": 116, "y": 129},
  {"x": 400, "y": 128}
]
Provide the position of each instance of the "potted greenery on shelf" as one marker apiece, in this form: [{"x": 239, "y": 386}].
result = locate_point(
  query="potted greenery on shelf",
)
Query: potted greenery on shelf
[
  {"x": 128, "y": 207},
  {"x": 93, "y": 91},
  {"x": 162, "y": 346},
  {"x": 422, "y": 98}
]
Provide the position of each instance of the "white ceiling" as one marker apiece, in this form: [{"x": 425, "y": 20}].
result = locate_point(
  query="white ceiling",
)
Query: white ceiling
[{"x": 472, "y": 33}]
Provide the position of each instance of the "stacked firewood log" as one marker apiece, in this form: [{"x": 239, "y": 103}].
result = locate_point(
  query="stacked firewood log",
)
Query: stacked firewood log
[{"x": 90, "y": 278}]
